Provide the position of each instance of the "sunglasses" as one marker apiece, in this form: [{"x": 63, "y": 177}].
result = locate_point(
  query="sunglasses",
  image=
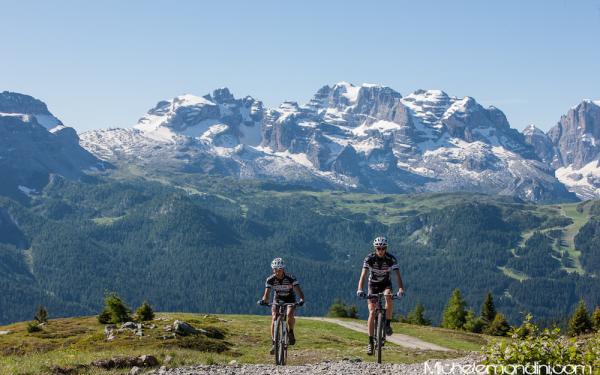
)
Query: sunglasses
[{"x": 380, "y": 248}]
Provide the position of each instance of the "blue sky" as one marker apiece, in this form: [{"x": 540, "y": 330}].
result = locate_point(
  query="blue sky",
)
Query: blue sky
[{"x": 104, "y": 64}]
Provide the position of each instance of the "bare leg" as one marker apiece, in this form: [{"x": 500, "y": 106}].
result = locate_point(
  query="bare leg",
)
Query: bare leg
[
  {"x": 290, "y": 318},
  {"x": 273, "y": 318},
  {"x": 389, "y": 304},
  {"x": 371, "y": 322}
]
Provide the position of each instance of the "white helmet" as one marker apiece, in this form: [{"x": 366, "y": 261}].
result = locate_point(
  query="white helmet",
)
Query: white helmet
[
  {"x": 277, "y": 263},
  {"x": 380, "y": 242}
]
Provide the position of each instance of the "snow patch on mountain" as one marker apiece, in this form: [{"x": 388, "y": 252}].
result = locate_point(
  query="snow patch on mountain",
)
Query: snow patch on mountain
[{"x": 585, "y": 181}]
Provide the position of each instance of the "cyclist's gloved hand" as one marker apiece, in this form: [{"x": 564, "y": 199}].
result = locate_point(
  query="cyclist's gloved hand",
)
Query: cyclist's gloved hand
[
  {"x": 261, "y": 302},
  {"x": 361, "y": 293},
  {"x": 400, "y": 293},
  {"x": 301, "y": 302}
]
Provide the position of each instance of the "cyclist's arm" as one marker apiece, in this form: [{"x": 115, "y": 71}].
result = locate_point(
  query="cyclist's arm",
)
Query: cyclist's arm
[
  {"x": 363, "y": 276},
  {"x": 399, "y": 279},
  {"x": 299, "y": 291},
  {"x": 266, "y": 294}
]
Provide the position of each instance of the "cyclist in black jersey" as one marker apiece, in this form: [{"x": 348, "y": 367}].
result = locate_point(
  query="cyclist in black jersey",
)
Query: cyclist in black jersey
[
  {"x": 285, "y": 286},
  {"x": 379, "y": 264}
]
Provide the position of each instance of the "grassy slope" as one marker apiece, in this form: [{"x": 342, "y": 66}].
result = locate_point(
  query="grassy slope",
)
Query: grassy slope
[
  {"x": 72, "y": 341},
  {"x": 566, "y": 243}
]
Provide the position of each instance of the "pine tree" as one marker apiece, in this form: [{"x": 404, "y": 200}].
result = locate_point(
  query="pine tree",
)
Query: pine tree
[
  {"x": 488, "y": 310},
  {"x": 474, "y": 323},
  {"x": 144, "y": 312},
  {"x": 455, "y": 314},
  {"x": 115, "y": 310},
  {"x": 41, "y": 315},
  {"x": 499, "y": 326},
  {"x": 596, "y": 319},
  {"x": 580, "y": 322},
  {"x": 417, "y": 316}
]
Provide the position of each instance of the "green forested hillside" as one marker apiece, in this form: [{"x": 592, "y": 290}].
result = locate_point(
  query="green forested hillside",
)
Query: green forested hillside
[{"x": 205, "y": 245}]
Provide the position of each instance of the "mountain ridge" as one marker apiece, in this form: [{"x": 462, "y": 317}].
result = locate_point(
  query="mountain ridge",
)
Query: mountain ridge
[{"x": 365, "y": 138}]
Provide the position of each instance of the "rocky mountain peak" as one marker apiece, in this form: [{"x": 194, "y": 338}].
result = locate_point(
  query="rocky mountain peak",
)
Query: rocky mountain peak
[
  {"x": 532, "y": 130},
  {"x": 221, "y": 95},
  {"x": 577, "y": 135},
  {"x": 12, "y": 103}
]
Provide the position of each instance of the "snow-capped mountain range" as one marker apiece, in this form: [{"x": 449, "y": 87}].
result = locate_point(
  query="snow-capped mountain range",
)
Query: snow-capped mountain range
[{"x": 367, "y": 138}]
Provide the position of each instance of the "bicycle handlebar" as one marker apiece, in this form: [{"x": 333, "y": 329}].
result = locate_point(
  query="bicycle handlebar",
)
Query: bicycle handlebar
[
  {"x": 260, "y": 303},
  {"x": 283, "y": 304},
  {"x": 370, "y": 296}
]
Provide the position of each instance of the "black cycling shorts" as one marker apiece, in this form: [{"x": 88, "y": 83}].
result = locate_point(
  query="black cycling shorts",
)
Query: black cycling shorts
[
  {"x": 291, "y": 298},
  {"x": 376, "y": 288}
]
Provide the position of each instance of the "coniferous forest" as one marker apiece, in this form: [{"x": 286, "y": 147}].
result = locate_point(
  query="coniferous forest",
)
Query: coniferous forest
[{"x": 206, "y": 246}]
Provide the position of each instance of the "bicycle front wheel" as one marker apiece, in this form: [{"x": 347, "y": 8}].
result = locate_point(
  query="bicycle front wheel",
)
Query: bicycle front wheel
[
  {"x": 277, "y": 340},
  {"x": 282, "y": 349},
  {"x": 380, "y": 334}
]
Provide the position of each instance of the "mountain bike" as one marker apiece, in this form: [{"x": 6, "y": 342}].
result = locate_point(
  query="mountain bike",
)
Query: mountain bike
[
  {"x": 281, "y": 331},
  {"x": 380, "y": 320}
]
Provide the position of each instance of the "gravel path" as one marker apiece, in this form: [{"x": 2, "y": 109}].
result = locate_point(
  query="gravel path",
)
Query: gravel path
[
  {"x": 397, "y": 338},
  {"x": 330, "y": 368}
]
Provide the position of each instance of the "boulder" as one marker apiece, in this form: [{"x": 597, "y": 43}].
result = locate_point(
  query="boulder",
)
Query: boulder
[
  {"x": 129, "y": 325},
  {"x": 184, "y": 329}
]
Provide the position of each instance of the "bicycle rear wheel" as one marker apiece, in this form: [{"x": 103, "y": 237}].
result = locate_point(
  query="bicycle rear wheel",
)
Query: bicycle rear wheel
[{"x": 380, "y": 334}]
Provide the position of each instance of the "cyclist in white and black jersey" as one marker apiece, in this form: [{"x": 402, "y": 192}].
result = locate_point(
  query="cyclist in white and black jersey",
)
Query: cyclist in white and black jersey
[
  {"x": 285, "y": 287},
  {"x": 379, "y": 264}
]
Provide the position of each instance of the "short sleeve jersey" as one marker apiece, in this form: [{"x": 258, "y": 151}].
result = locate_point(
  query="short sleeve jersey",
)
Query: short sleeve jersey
[
  {"x": 380, "y": 267},
  {"x": 283, "y": 287}
]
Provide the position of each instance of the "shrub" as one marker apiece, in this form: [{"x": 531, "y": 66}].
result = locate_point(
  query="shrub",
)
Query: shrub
[
  {"x": 115, "y": 310},
  {"x": 41, "y": 315},
  {"x": 104, "y": 317},
  {"x": 596, "y": 319},
  {"x": 545, "y": 347},
  {"x": 417, "y": 316},
  {"x": 144, "y": 312},
  {"x": 498, "y": 327},
  {"x": 474, "y": 323},
  {"x": 339, "y": 309},
  {"x": 33, "y": 327},
  {"x": 525, "y": 329}
]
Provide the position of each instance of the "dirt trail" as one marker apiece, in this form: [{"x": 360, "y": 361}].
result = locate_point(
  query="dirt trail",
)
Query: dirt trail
[{"x": 396, "y": 338}]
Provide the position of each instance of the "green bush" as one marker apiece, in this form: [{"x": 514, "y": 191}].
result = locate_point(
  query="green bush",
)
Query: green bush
[
  {"x": 33, "y": 327},
  {"x": 104, "y": 317},
  {"x": 144, "y": 312},
  {"x": 596, "y": 319},
  {"x": 545, "y": 347},
  {"x": 526, "y": 328},
  {"x": 339, "y": 309},
  {"x": 474, "y": 323},
  {"x": 417, "y": 316},
  {"x": 498, "y": 327},
  {"x": 115, "y": 310}
]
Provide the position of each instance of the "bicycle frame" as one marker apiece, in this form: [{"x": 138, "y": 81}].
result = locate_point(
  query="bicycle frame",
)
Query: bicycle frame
[
  {"x": 281, "y": 332},
  {"x": 380, "y": 321}
]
